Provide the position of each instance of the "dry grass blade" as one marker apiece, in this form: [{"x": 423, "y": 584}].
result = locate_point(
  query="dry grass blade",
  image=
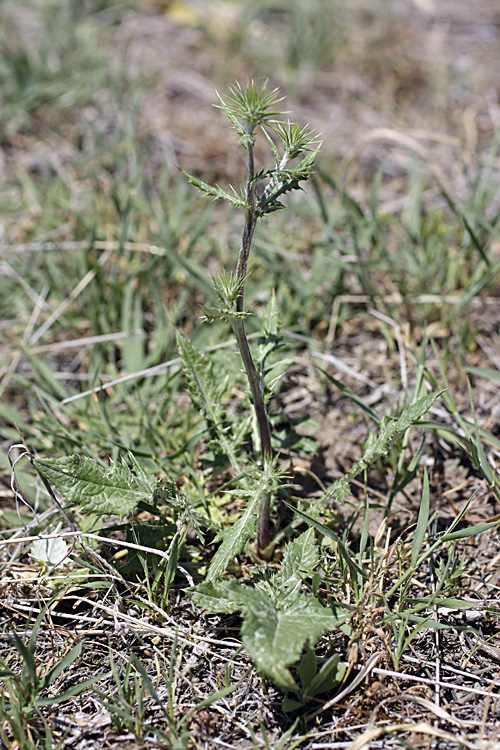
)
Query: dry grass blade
[{"x": 363, "y": 742}]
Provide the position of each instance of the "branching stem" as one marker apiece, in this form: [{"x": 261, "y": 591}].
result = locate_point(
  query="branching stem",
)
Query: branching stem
[
  {"x": 256, "y": 388},
  {"x": 249, "y": 109}
]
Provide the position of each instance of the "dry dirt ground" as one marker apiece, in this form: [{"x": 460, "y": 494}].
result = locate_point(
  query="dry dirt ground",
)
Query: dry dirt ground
[{"x": 433, "y": 94}]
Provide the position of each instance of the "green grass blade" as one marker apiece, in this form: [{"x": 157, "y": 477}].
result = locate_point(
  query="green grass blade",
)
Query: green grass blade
[
  {"x": 65, "y": 662},
  {"x": 471, "y": 531},
  {"x": 484, "y": 372},
  {"x": 422, "y": 522},
  {"x": 28, "y": 660},
  {"x": 75, "y": 690},
  {"x": 354, "y": 397}
]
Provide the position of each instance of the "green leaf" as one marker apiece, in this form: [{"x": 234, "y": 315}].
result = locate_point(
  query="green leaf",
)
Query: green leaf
[
  {"x": 307, "y": 669},
  {"x": 204, "y": 394},
  {"x": 260, "y": 482},
  {"x": 329, "y": 676},
  {"x": 29, "y": 673},
  {"x": 173, "y": 559},
  {"x": 484, "y": 372},
  {"x": 461, "y": 604},
  {"x": 65, "y": 662},
  {"x": 276, "y": 625},
  {"x": 274, "y": 638},
  {"x": 272, "y": 146},
  {"x": 235, "y": 539},
  {"x": 471, "y": 531},
  {"x": 296, "y": 138},
  {"x": 95, "y": 488},
  {"x": 289, "y": 704},
  {"x": 423, "y": 520},
  {"x": 355, "y": 571},
  {"x": 214, "y": 192},
  {"x": 490, "y": 475},
  {"x": 282, "y": 182},
  {"x": 251, "y": 105},
  {"x": 300, "y": 558},
  {"x": 209, "y": 596},
  {"x": 269, "y": 337},
  {"x": 75, "y": 690},
  {"x": 353, "y": 396},
  {"x": 379, "y": 445}
]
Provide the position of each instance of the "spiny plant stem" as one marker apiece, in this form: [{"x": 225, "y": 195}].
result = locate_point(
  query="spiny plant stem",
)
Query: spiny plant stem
[
  {"x": 250, "y": 222},
  {"x": 242, "y": 341},
  {"x": 250, "y": 109}
]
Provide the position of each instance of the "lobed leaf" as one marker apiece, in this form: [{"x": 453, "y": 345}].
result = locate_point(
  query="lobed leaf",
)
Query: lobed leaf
[
  {"x": 276, "y": 626},
  {"x": 300, "y": 558},
  {"x": 379, "y": 445},
  {"x": 112, "y": 489},
  {"x": 204, "y": 394},
  {"x": 275, "y": 637},
  {"x": 235, "y": 538},
  {"x": 210, "y": 596},
  {"x": 214, "y": 191}
]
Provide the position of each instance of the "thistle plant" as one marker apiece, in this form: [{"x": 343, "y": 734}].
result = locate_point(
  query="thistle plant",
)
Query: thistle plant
[{"x": 252, "y": 111}]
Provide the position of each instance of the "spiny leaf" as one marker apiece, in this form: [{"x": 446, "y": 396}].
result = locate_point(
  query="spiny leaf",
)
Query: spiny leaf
[
  {"x": 242, "y": 133},
  {"x": 210, "y": 596},
  {"x": 269, "y": 338},
  {"x": 213, "y": 191},
  {"x": 282, "y": 182},
  {"x": 272, "y": 146},
  {"x": 96, "y": 488},
  {"x": 251, "y": 104},
  {"x": 379, "y": 445},
  {"x": 203, "y": 390},
  {"x": 300, "y": 558},
  {"x": 234, "y": 540},
  {"x": 274, "y": 634},
  {"x": 296, "y": 138},
  {"x": 260, "y": 481}
]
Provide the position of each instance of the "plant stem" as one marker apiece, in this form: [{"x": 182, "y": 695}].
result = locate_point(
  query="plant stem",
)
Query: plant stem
[{"x": 241, "y": 338}]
